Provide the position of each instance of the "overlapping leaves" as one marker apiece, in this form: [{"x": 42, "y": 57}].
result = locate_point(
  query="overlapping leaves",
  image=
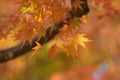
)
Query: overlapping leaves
[{"x": 36, "y": 16}]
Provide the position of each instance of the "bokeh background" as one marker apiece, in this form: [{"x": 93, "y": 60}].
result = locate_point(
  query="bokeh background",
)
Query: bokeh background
[{"x": 100, "y": 61}]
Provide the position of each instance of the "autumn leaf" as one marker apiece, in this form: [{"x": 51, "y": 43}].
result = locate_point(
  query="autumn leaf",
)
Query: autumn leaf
[
  {"x": 53, "y": 50},
  {"x": 77, "y": 4},
  {"x": 75, "y": 21},
  {"x": 24, "y": 34},
  {"x": 36, "y": 48},
  {"x": 79, "y": 39},
  {"x": 25, "y": 9},
  {"x": 84, "y": 19},
  {"x": 71, "y": 51},
  {"x": 58, "y": 12}
]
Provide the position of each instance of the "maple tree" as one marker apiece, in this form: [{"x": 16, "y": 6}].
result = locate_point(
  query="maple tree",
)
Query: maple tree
[
  {"x": 62, "y": 29},
  {"x": 45, "y": 20},
  {"x": 37, "y": 22}
]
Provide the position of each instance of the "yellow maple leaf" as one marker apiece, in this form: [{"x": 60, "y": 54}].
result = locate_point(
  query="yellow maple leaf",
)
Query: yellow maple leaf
[
  {"x": 36, "y": 48},
  {"x": 84, "y": 19},
  {"x": 79, "y": 39}
]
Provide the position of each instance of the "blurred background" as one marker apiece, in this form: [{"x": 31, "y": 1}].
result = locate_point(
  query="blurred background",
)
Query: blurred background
[{"x": 100, "y": 61}]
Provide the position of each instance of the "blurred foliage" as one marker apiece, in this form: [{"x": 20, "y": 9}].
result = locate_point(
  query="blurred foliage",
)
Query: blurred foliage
[{"x": 99, "y": 61}]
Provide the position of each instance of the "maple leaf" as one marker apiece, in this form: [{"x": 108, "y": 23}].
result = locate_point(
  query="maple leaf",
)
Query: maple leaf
[
  {"x": 53, "y": 50},
  {"x": 25, "y": 9},
  {"x": 58, "y": 12},
  {"x": 75, "y": 22},
  {"x": 77, "y": 4},
  {"x": 84, "y": 19},
  {"x": 79, "y": 39},
  {"x": 71, "y": 51},
  {"x": 24, "y": 34},
  {"x": 36, "y": 48}
]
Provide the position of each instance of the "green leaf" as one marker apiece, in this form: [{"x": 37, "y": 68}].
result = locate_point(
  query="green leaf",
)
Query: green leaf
[
  {"x": 75, "y": 22},
  {"x": 25, "y": 9}
]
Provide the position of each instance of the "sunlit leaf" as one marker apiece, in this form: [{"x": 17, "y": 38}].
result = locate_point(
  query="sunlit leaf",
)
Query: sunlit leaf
[
  {"x": 80, "y": 39},
  {"x": 36, "y": 48},
  {"x": 25, "y": 9},
  {"x": 71, "y": 51},
  {"x": 84, "y": 19}
]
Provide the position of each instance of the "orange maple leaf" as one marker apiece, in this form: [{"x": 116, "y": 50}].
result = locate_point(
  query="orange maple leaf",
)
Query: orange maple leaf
[
  {"x": 84, "y": 19},
  {"x": 36, "y": 48},
  {"x": 77, "y": 4},
  {"x": 71, "y": 51},
  {"x": 53, "y": 50}
]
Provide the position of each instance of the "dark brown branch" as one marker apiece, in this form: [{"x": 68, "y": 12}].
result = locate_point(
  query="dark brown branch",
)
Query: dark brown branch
[{"x": 14, "y": 52}]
